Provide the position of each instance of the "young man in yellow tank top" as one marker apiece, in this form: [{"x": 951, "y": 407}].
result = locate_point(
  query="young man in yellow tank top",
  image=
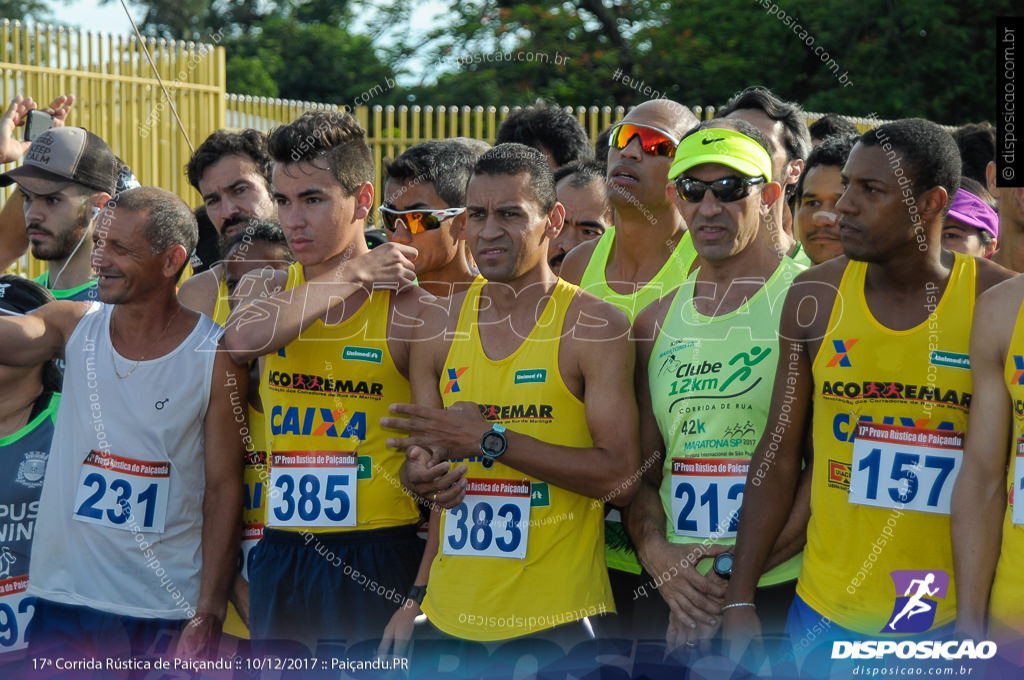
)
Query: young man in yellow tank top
[
  {"x": 231, "y": 170},
  {"x": 706, "y": 358},
  {"x": 340, "y": 549},
  {"x": 988, "y": 512},
  {"x": 539, "y": 414},
  {"x": 876, "y": 343}
]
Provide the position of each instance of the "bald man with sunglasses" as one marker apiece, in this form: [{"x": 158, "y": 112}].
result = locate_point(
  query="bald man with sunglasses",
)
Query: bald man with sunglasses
[
  {"x": 424, "y": 207},
  {"x": 648, "y": 252},
  {"x": 645, "y": 255}
]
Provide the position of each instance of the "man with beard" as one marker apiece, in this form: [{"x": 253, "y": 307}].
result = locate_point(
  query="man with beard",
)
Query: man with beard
[
  {"x": 232, "y": 172},
  {"x": 68, "y": 176},
  {"x": 582, "y": 192}
]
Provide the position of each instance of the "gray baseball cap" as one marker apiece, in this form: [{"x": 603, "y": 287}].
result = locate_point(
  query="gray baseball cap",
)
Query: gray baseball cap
[{"x": 64, "y": 156}]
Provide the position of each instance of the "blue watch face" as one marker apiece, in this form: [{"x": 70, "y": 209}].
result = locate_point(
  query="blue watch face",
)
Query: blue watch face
[{"x": 723, "y": 564}]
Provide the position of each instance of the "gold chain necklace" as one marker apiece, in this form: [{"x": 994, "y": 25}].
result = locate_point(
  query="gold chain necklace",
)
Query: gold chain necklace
[{"x": 141, "y": 359}]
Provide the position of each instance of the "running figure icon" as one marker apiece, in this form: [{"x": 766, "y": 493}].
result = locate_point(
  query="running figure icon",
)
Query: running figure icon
[{"x": 914, "y": 605}]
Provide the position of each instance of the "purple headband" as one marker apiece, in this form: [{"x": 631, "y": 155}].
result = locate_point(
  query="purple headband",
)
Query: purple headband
[{"x": 973, "y": 211}]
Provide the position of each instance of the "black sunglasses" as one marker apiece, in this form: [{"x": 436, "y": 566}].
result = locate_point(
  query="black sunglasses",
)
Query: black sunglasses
[{"x": 726, "y": 190}]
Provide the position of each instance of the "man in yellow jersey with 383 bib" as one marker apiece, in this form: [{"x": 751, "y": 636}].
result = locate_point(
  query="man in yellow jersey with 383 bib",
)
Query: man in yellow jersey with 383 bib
[
  {"x": 339, "y": 551},
  {"x": 876, "y": 343},
  {"x": 535, "y": 378}
]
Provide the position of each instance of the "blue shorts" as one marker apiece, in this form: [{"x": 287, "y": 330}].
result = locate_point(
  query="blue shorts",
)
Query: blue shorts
[
  {"x": 77, "y": 633},
  {"x": 330, "y": 587},
  {"x": 809, "y": 638}
]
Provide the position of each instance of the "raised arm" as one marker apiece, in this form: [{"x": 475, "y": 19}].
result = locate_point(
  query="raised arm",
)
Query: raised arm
[
  {"x": 269, "y": 317},
  {"x": 222, "y": 506},
  {"x": 979, "y": 497},
  {"x": 39, "y": 336},
  {"x": 199, "y": 293},
  {"x": 13, "y": 240}
]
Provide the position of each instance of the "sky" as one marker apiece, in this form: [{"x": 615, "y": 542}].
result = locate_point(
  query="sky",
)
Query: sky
[
  {"x": 92, "y": 16},
  {"x": 110, "y": 17}
]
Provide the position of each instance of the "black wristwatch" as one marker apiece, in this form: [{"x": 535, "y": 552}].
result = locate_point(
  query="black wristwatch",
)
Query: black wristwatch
[
  {"x": 417, "y": 593},
  {"x": 723, "y": 565},
  {"x": 493, "y": 444}
]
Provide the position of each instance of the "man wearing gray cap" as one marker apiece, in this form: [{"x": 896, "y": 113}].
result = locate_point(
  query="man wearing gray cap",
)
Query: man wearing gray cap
[{"x": 67, "y": 177}]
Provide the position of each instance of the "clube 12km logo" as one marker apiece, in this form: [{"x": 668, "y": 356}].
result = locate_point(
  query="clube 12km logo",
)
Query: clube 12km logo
[{"x": 918, "y": 592}]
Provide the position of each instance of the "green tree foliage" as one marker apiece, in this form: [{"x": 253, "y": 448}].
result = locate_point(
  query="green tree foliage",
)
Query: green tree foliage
[
  {"x": 894, "y": 58},
  {"x": 24, "y": 9},
  {"x": 315, "y": 62},
  {"x": 294, "y": 49},
  {"x": 925, "y": 58}
]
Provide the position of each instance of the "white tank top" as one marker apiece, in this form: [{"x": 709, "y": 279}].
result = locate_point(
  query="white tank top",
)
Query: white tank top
[{"x": 120, "y": 515}]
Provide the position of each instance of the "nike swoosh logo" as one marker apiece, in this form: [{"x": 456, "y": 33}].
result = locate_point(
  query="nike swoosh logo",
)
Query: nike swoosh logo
[{"x": 712, "y": 141}]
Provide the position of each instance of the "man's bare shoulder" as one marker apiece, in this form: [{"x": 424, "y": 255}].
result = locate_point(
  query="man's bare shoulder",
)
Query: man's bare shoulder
[
  {"x": 820, "y": 282},
  {"x": 200, "y": 292},
  {"x": 63, "y": 315},
  {"x": 651, "y": 319},
  {"x": 990, "y": 274},
  {"x": 830, "y": 271},
  {"x": 1005, "y": 298},
  {"x": 261, "y": 283},
  {"x": 425, "y": 316},
  {"x": 592, "y": 319},
  {"x": 995, "y": 318},
  {"x": 810, "y": 301},
  {"x": 576, "y": 261}
]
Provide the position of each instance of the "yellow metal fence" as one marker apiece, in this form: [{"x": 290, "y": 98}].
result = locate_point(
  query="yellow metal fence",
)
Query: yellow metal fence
[{"x": 120, "y": 98}]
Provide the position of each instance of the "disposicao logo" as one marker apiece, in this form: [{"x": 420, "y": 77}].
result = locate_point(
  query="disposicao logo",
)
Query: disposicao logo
[{"x": 914, "y": 611}]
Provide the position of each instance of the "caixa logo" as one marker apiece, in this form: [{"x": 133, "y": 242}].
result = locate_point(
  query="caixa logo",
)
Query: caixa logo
[{"x": 949, "y": 650}]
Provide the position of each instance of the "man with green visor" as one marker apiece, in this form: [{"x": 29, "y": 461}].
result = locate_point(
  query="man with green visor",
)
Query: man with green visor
[{"x": 706, "y": 362}]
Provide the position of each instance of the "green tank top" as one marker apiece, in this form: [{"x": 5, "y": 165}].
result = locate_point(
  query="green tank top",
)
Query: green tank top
[
  {"x": 711, "y": 380},
  {"x": 619, "y": 551},
  {"x": 668, "y": 278}
]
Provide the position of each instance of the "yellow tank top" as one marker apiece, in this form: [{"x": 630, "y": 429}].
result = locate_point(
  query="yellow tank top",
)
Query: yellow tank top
[
  {"x": 669, "y": 277},
  {"x": 222, "y": 310},
  {"x": 1008, "y": 586},
  {"x": 910, "y": 391},
  {"x": 323, "y": 397},
  {"x": 519, "y": 555},
  {"x": 254, "y": 510}
]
